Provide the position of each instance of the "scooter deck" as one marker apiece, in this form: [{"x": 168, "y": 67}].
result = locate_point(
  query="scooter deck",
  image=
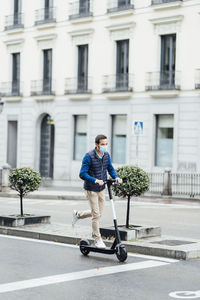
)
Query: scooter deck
[{"x": 100, "y": 250}]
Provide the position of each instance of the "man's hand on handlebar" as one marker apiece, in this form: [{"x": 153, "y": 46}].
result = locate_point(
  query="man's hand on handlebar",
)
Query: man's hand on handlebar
[
  {"x": 99, "y": 182},
  {"x": 119, "y": 180}
]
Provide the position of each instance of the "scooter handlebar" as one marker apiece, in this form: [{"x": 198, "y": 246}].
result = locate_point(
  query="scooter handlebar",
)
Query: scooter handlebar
[{"x": 112, "y": 181}]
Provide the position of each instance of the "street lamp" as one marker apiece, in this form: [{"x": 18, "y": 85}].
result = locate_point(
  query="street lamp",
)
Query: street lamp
[{"x": 1, "y": 105}]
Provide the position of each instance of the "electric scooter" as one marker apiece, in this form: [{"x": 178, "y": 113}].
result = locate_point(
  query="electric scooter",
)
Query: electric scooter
[{"x": 117, "y": 247}]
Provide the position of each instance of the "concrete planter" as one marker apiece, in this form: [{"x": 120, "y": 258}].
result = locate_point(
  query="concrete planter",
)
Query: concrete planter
[
  {"x": 14, "y": 221},
  {"x": 133, "y": 232}
]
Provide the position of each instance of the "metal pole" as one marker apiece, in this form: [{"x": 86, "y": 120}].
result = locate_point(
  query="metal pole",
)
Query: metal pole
[{"x": 137, "y": 141}]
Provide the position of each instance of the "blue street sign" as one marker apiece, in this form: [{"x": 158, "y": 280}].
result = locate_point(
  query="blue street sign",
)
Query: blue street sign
[{"x": 138, "y": 127}]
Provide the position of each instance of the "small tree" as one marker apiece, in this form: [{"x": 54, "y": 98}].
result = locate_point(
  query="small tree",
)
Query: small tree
[
  {"x": 24, "y": 180},
  {"x": 136, "y": 183}
]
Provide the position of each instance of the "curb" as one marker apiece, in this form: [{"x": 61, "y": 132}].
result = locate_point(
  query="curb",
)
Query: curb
[
  {"x": 190, "y": 252},
  {"x": 45, "y": 196}
]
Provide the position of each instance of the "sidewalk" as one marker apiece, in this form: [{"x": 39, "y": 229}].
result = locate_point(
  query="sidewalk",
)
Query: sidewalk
[{"x": 77, "y": 193}]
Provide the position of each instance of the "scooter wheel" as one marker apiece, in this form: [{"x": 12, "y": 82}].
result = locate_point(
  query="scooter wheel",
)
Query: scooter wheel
[
  {"x": 82, "y": 248},
  {"x": 121, "y": 253}
]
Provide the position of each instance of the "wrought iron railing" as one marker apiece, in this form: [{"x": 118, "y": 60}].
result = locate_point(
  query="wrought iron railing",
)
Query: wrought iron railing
[
  {"x": 14, "y": 21},
  {"x": 78, "y": 85},
  {"x": 42, "y": 87},
  {"x": 175, "y": 184},
  {"x": 185, "y": 184},
  {"x": 197, "y": 79},
  {"x": 118, "y": 83},
  {"x": 11, "y": 89},
  {"x": 45, "y": 15},
  {"x": 119, "y": 5},
  {"x": 156, "y": 181},
  {"x": 81, "y": 9},
  {"x": 164, "y": 80},
  {"x": 163, "y": 1}
]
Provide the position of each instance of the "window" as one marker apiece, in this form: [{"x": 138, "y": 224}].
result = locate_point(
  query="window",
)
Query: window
[
  {"x": 84, "y": 7},
  {"x": 48, "y": 11},
  {"x": 123, "y": 3},
  {"x": 122, "y": 64},
  {"x": 80, "y": 136},
  {"x": 168, "y": 57},
  {"x": 119, "y": 138},
  {"x": 12, "y": 144},
  {"x": 47, "y": 70},
  {"x": 15, "y": 73},
  {"x": 82, "y": 68},
  {"x": 164, "y": 140},
  {"x": 17, "y": 11}
]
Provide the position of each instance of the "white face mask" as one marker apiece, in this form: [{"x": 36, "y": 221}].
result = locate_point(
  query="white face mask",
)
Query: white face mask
[{"x": 103, "y": 149}]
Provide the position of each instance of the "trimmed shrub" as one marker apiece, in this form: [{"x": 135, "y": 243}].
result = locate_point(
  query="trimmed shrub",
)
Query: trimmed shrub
[
  {"x": 135, "y": 183},
  {"x": 24, "y": 180}
]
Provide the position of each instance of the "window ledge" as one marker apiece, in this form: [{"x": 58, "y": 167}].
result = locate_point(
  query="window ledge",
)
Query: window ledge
[
  {"x": 14, "y": 30},
  {"x": 118, "y": 95},
  {"x": 164, "y": 93},
  {"x": 44, "y": 98},
  {"x": 80, "y": 97},
  {"x": 80, "y": 20},
  {"x": 12, "y": 99},
  {"x": 120, "y": 13},
  {"x": 47, "y": 25},
  {"x": 167, "y": 5}
]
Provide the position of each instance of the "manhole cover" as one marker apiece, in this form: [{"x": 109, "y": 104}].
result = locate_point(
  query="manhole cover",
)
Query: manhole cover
[{"x": 173, "y": 242}]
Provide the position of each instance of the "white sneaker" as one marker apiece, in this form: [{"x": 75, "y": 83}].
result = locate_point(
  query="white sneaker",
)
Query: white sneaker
[
  {"x": 100, "y": 244},
  {"x": 74, "y": 217}
]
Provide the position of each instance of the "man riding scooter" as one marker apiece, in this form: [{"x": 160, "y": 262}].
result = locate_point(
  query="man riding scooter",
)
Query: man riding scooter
[{"x": 95, "y": 166}]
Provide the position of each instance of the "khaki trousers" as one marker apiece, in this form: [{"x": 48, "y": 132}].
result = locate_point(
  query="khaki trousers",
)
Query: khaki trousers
[{"x": 96, "y": 201}]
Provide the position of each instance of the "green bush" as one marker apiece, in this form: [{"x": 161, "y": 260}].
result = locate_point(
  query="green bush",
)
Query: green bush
[
  {"x": 136, "y": 183},
  {"x": 24, "y": 180}
]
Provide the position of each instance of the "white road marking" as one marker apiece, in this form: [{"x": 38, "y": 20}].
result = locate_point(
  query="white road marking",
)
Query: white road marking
[
  {"x": 151, "y": 257},
  {"x": 38, "y": 241},
  {"x": 185, "y": 294},
  {"x": 165, "y": 259},
  {"x": 42, "y": 281}
]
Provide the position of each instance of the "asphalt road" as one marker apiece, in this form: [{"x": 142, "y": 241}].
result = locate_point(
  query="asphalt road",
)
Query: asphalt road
[
  {"x": 32, "y": 269},
  {"x": 179, "y": 220}
]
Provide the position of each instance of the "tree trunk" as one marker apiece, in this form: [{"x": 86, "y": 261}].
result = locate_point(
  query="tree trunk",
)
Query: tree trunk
[
  {"x": 128, "y": 212},
  {"x": 21, "y": 204}
]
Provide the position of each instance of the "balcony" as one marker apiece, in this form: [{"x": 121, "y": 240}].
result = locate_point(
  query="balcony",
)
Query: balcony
[
  {"x": 157, "y": 2},
  {"x": 11, "y": 89},
  {"x": 79, "y": 85},
  {"x": 15, "y": 21},
  {"x": 45, "y": 16},
  {"x": 197, "y": 79},
  {"x": 166, "y": 80},
  {"x": 43, "y": 87},
  {"x": 81, "y": 9},
  {"x": 119, "y": 5},
  {"x": 118, "y": 83}
]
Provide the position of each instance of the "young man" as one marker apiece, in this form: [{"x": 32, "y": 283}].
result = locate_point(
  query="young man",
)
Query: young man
[{"x": 95, "y": 166}]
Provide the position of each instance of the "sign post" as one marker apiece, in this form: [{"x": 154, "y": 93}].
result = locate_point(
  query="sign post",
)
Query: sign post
[{"x": 137, "y": 130}]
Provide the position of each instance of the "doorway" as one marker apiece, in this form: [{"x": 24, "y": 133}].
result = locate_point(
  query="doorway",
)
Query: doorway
[{"x": 47, "y": 147}]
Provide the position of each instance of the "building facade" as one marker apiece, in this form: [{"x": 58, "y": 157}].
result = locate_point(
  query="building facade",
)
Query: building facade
[{"x": 70, "y": 70}]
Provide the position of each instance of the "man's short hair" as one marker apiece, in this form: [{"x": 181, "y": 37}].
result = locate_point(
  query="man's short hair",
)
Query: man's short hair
[{"x": 100, "y": 137}]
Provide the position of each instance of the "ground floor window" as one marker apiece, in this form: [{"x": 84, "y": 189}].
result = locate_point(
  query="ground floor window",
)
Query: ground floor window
[
  {"x": 12, "y": 144},
  {"x": 119, "y": 136},
  {"x": 80, "y": 136},
  {"x": 164, "y": 140}
]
